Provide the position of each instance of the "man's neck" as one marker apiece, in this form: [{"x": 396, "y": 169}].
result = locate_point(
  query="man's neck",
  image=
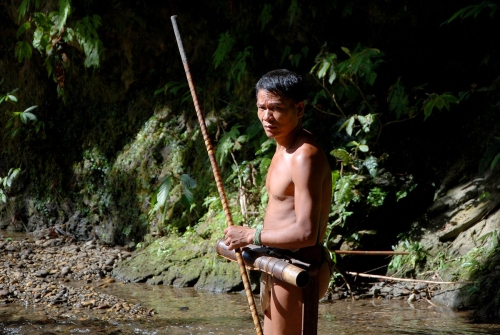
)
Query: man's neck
[{"x": 288, "y": 141}]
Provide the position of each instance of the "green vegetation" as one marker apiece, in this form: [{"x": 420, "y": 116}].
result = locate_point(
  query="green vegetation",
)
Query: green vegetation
[{"x": 115, "y": 151}]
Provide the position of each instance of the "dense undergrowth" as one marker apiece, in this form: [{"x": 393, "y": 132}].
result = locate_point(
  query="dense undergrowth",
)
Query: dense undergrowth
[{"x": 113, "y": 146}]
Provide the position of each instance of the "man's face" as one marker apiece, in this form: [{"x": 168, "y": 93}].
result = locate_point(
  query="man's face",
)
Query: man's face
[{"x": 279, "y": 115}]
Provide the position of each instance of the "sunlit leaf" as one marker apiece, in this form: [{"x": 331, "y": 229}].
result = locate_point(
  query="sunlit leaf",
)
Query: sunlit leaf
[
  {"x": 26, "y": 116},
  {"x": 349, "y": 126},
  {"x": 13, "y": 173},
  {"x": 163, "y": 191},
  {"x": 64, "y": 12},
  {"x": 363, "y": 148},
  {"x": 372, "y": 165},
  {"x": 342, "y": 155},
  {"x": 347, "y": 51},
  {"x": 333, "y": 75},
  {"x": 325, "y": 66},
  {"x": 29, "y": 109}
]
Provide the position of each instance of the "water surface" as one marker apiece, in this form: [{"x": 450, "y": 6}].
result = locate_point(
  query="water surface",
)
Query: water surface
[{"x": 186, "y": 311}]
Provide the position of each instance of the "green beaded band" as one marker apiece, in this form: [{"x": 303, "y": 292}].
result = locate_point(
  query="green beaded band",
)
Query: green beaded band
[{"x": 256, "y": 236}]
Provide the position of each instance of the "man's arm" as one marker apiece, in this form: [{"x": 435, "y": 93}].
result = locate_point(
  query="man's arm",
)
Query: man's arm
[{"x": 307, "y": 177}]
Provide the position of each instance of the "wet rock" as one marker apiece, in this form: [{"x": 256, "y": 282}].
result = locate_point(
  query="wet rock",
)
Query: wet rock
[
  {"x": 12, "y": 247},
  {"x": 420, "y": 287},
  {"x": 42, "y": 273},
  {"x": 400, "y": 291}
]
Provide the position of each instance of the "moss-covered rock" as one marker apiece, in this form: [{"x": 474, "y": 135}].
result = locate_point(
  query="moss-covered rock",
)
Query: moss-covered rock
[{"x": 181, "y": 261}]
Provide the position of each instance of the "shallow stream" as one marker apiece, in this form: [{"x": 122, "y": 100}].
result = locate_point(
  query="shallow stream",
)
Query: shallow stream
[{"x": 186, "y": 311}]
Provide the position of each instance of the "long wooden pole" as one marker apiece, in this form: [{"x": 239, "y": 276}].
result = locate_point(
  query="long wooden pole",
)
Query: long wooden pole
[{"x": 217, "y": 176}]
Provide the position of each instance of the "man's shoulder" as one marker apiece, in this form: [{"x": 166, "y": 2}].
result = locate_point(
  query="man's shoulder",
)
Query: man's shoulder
[
  {"x": 307, "y": 146},
  {"x": 308, "y": 151}
]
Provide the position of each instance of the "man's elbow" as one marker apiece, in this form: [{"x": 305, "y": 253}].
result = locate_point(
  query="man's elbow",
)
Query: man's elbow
[{"x": 308, "y": 239}]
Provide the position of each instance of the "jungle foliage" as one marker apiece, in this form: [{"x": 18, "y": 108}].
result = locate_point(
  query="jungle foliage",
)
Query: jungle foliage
[{"x": 392, "y": 88}]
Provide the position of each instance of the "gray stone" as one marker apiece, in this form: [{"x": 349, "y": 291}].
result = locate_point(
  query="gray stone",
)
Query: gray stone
[
  {"x": 42, "y": 273},
  {"x": 65, "y": 270},
  {"x": 420, "y": 287}
]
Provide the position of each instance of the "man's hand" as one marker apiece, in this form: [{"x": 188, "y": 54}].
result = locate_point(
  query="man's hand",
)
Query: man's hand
[{"x": 238, "y": 236}]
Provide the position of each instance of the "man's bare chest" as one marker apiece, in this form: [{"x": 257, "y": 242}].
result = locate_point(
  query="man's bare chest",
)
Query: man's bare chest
[{"x": 279, "y": 180}]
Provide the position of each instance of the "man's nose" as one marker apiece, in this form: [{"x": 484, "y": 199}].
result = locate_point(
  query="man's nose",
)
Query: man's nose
[{"x": 267, "y": 114}]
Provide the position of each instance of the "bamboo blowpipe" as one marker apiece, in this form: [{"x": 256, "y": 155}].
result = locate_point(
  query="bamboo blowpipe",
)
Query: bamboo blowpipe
[
  {"x": 256, "y": 258},
  {"x": 217, "y": 176}
]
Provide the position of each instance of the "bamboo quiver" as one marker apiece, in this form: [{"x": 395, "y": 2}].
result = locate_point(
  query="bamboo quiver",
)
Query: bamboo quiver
[{"x": 287, "y": 269}]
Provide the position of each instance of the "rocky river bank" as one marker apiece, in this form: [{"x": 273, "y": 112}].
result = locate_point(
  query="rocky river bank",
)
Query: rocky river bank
[{"x": 63, "y": 277}]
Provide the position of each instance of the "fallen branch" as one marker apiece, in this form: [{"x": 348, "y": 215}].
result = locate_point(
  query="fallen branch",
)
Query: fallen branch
[
  {"x": 430, "y": 302},
  {"x": 408, "y": 279},
  {"x": 370, "y": 253}
]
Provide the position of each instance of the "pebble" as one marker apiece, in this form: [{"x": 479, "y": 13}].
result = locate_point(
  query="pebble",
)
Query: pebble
[{"x": 35, "y": 271}]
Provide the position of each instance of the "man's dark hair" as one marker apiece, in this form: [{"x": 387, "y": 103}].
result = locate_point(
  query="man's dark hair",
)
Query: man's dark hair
[{"x": 283, "y": 83}]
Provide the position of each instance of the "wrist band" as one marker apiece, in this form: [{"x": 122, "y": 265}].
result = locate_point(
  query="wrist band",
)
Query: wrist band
[{"x": 256, "y": 236}]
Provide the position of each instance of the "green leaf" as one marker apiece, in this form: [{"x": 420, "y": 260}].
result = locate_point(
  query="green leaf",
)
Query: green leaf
[
  {"x": 342, "y": 155},
  {"x": 13, "y": 173},
  {"x": 347, "y": 51},
  {"x": 23, "y": 28},
  {"x": 372, "y": 165},
  {"x": 29, "y": 109},
  {"x": 401, "y": 194},
  {"x": 495, "y": 161},
  {"x": 264, "y": 165},
  {"x": 64, "y": 12},
  {"x": 11, "y": 97},
  {"x": 450, "y": 98},
  {"x": 26, "y": 116},
  {"x": 23, "y": 51},
  {"x": 226, "y": 43},
  {"x": 188, "y": 182},
  {"x": 163, "y": 191},
  {"x": 352, "y": 144},
  {"x": 294, "y": 10},
  {"x": 363, "y": 148},
  {"x": 439, "y": 103},
  {"x": 428, "y": 108},
  {"x": 325, "y": 66},
  {"x": 349, "y": 126},
  {"x": 333, "y": 75},
  {"x": 265, "y": 16},
  {"x": 285, "y": 53},
  {"x": 22, "y": 9}
]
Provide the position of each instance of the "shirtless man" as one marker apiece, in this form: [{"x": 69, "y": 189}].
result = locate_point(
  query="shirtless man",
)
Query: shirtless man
[{"x": 299, "y": 185}]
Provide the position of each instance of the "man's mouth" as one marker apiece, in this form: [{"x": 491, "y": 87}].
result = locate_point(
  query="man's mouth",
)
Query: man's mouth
[{"x": 268, "y": 127}]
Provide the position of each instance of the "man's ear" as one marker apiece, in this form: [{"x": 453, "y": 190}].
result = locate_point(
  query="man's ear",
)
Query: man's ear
[{"x": 300, "y": 109}]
